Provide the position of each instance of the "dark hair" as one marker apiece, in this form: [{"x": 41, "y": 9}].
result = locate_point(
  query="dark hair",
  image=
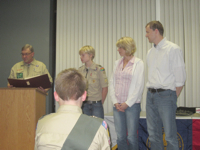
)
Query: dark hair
[
  {"x": 70, "y": 84},
  {"x": 156, "y": 25}
]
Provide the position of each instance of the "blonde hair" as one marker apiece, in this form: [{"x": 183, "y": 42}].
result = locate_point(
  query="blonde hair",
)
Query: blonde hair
[
  {"x": 128, "y": 44},
  {"x": 70, "y": 84},
  {"x": 28, "y": 46},
  {"x": 87, "y": 49}
]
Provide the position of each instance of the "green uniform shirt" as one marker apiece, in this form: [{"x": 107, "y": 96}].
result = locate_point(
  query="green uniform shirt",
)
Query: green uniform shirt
[
  {"x": 22, "y": 70},
  {"x": 96, "y": 80}
]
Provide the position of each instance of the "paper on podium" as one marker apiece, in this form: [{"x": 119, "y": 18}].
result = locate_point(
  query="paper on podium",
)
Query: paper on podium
[{"x": 33, "y": 82}]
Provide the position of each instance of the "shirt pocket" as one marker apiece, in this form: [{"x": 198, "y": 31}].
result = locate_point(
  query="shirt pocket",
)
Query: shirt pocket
[
  {"x": 37, "y": 71},
  {"x": 93, "y": 80}
]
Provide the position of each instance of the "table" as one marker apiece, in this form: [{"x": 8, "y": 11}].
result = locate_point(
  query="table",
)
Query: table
[{"x": 188, "y": 132}]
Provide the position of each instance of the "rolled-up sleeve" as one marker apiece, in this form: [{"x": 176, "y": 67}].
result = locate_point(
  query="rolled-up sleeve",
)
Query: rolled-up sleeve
[{"x": 178, "y": 67}]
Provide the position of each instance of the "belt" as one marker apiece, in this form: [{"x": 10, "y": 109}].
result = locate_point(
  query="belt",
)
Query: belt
[
  {"x": 92, "y": 102},
  {"x": 156, "y": 90}
]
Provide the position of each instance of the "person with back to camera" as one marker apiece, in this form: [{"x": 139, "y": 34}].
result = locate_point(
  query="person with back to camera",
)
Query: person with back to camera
[
  {"x": 97, "y": 83},
  {"x": 166, "y": 77},
  {"x": 29, "y": 67},
  {"x": 68, "y": 128},
  {"x": 126, "y": 87}
]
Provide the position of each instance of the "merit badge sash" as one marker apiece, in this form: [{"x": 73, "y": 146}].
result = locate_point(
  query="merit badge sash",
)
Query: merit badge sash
[{"x": 83, "y": 133}]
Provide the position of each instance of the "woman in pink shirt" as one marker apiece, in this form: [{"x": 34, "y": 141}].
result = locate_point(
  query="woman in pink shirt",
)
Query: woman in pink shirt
[{"x": 126, "y": 88}]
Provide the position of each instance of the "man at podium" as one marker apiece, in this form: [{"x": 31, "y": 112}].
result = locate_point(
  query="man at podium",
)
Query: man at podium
[
  {"x": 68, "y": 128},
  {"x": 29, "y": 67}
]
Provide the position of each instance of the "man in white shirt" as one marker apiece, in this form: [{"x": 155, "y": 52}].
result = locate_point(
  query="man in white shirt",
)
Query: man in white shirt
[{"x": 166, "y": 78}]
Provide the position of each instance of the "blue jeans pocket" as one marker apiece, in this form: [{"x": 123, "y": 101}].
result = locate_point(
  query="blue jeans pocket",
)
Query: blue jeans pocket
[{"x": 165, "y": 94}]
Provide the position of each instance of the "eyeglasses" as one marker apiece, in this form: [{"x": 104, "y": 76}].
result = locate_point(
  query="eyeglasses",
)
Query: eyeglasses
[{"x": 25, "y": 54}]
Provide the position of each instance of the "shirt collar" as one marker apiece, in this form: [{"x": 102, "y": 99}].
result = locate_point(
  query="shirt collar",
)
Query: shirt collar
[
  {"x": 131, "y": 61},
  {"x": 32, "y": 63},
  {"x": 93, "y": 66},
  {"x": 70, "y": 108},
  {"x": 160, "y": 44}
]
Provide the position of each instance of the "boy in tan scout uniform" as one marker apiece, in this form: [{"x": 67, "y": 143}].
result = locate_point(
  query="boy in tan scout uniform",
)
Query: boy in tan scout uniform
[
  {"x": 97, "y": 83},
  {"x": 68, "y": 128},
  {"x": 29, "y": 67}
]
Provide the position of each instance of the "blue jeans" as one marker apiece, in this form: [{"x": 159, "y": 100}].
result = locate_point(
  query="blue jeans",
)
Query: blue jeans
[
  {"x": 127, "y": 122},
  {"x": 161, "y": 112},
  {"x": 94, "y": 109}
]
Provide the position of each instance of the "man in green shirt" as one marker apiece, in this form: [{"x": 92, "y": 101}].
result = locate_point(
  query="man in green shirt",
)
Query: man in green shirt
[{"x": 29, "y": 67}]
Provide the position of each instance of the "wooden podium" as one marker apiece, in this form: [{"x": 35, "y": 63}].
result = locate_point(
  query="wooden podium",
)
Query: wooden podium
[{"x": 20, "y": 109}]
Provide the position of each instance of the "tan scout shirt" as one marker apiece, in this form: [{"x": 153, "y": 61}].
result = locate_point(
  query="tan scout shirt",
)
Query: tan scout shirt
[
  {"x": 23, "y": 70},
  {"x": 96, "y": 80},
  {"x": 53, "y": 129}
]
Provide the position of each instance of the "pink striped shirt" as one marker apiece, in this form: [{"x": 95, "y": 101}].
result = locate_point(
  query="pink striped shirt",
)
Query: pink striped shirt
[{"x": 123, "y": 79}]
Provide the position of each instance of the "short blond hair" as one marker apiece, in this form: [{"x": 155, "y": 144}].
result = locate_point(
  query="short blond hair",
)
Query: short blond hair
[
  {"x": 28, "y": 46},
  {"x": 70, "y": 84},
  {"x": 128, "y": 44},
  {"x": 87, "y": 49}
]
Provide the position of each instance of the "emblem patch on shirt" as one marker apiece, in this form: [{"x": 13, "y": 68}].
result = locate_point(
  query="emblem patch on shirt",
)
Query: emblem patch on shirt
[
  {"x": 19, "y": 75},
  {"x": 104, "y": 124},
  {"x": 19, "y": 70},
  {"x": 37, "y": 65},
  {"x": 102, "y": 69}
]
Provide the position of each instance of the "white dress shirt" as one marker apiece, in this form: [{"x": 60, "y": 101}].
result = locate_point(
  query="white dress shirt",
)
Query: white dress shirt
[{"x": 166, "y": 68}]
